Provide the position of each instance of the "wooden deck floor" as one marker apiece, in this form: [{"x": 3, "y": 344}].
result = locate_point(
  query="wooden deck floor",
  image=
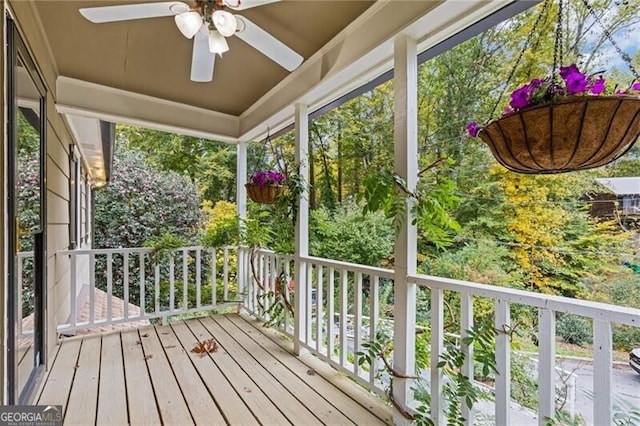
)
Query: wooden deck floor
[{"x": 150, "y": 376}]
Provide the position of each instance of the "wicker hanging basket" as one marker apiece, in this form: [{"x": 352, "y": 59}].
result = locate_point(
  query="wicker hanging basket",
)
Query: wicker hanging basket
[
  {"x": 266, "y": 194},
  {"x": 573, "y": 133}
]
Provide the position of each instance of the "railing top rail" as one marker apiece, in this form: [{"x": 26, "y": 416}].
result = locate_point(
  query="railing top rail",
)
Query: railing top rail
[
  {"x": 369, "y": 270},
  {"x": 585, "y": 308},
  {"x": 271, "y": 253},
  {"x": 133, "y": 250},
  {"x": 25, "y": 254}
]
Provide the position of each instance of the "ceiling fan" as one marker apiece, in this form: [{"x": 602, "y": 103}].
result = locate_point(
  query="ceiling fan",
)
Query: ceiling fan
[{"x": 208, "y": 23}]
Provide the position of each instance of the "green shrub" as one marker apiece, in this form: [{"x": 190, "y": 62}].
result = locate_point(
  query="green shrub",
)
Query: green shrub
[{"x": 574, "y": 330}]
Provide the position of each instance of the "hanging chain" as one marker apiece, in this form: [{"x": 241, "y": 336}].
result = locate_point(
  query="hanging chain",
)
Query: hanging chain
[
  {"x": 545, "y": 7},
  {"x": 625, "y": 57},
  {"x": 557, "y": 48}
]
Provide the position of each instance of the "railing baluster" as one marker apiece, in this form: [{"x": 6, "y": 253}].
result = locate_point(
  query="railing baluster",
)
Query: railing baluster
[
  {"x": 198, "y": 277},
  {"x": 264, "y": 286},
  {"x": 172, "y": 283},
  {"x": 437, "y": 347},
  {"x": 241, "y": 273},
  {"x": 330, "y": 312},
  {"x": 319, "y": 306},
  {"x": 503, "y": 360},
  {"x": 109, "y": 287},
  {"x": 185, "y": 280},
  {"x": 73, "y": 293},
  {"x": 156, "y": 279},
  {"x": 374, "y": 303},
  {"x": 309, "y": 283},
  {"x": 466, "y": 323},
  {"x": 125, "y": 283},
  {"x": 289, "y": 324},
  {"x": 344, "y": 282},
  {"x": 546, "y": 365},
  {"x": 214, "y": 278},
  {"x": 602, "y": 362},
  {"x": 143, "y": 308},
  {"x": 357, "y": 327},
  {"x": 92, "y": 290},
  {"x": 225, "y": 273}
]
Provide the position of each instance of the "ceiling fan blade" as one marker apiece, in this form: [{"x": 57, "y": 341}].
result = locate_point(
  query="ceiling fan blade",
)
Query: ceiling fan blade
[
  {"x": 246, "y": 4},
  {"x": 267, "y": 44},
  {"x": 133, "y": 11},
  {"x": 201, "y": 59}
]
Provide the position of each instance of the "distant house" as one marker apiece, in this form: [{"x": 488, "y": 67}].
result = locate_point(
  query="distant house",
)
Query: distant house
[{"x": 621, "y": 198}]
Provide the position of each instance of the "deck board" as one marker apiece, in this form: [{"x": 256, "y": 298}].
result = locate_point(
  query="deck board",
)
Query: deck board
[
  {"x": 173, "y": 407},
  {"x": 149, "y": 376},
  {"x": 235, "y": 410},
  {"x": 112, "y": 410},
  {"x": 322, "y": 408},
  {"x": 82, "y": 405},
  {"x": 291, "y": 407},
  {"x": 334, "y": 396},
  {"x": 58, "y": 384},
  {"x": 203, "y": 407},
  {"x": 263, "y": 408},
  {"x": 140, "y": 398}
]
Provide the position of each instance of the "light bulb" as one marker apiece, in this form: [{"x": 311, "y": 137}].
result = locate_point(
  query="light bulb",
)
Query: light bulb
[
  {"x": 217, "y": 43},
  {"x": 225, "y": 22},
  {"x": 189, "y": 23}
]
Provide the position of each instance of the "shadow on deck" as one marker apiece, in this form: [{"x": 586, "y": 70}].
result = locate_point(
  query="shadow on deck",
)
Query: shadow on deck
[{"x": 150, "y": 376}]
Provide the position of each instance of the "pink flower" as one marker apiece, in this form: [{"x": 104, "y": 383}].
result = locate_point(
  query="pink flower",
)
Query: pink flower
[{"x": 636, "y": 86}]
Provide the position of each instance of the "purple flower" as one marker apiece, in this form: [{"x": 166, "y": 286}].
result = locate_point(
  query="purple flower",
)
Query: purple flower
[
  {"x": 508, "y": 111},
  {"x": 473, "y": 129},
  {"x": 566, "y": 71},
  {"x": 520, "y": 98},
  {"x": 267, "y": 177},
  {"x": 535, "y": 83},
  {"x": 576, "y": 82},
  {"x": 598, "y": 86},
  {"x": 636, "y": 86}
]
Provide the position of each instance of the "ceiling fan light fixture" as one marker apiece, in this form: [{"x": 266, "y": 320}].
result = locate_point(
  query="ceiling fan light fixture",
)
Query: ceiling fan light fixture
[
  {"x": 217, "y": 43},
  {"x": 189, "y": 23},
  {"x": 224, "y": 22}
]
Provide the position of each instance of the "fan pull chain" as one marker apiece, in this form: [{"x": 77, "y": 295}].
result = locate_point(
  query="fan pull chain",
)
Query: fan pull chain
[
  {"x": 545, "y": 7},
  {"x": 625, "y": 57}
]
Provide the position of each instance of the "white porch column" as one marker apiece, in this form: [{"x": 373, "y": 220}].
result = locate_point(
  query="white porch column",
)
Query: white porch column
[
  {"x": 405, "y": 105},
  {"x": 241, "y": 209},
  {"x": 241, "y": 180},
  {"x": 302, "y": 228}
]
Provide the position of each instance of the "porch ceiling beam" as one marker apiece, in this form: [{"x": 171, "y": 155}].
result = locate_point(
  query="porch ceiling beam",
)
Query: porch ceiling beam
[{"x": 119, "y": 106}]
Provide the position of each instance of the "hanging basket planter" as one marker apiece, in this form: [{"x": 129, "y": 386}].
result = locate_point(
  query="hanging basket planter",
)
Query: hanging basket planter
[
  {"x": 265, "y": 194},
  {"x": 572, "y": 133}
]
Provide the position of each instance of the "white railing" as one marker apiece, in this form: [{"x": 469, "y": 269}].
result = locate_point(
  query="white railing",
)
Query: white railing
[
  {"x": 113, "y": 286},
  {"x": 268, "y": 274},
  {"x": 346, "y": 306},
  {"x": 338, "y": 319},
  {"x": 602, "y": 315},
  {"x": 343, "y": 312}
]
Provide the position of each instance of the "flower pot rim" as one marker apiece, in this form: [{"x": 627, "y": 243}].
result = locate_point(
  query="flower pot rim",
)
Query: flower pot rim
[{"x": 560, "y": 100}]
